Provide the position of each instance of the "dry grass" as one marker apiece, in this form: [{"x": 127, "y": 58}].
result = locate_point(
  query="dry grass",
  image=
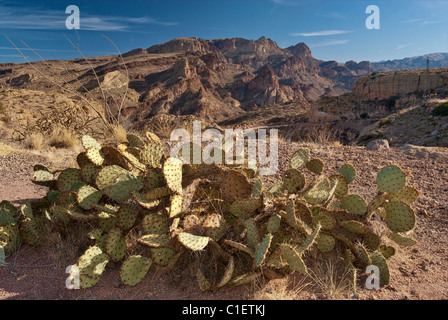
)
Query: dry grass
[
  {"x": 280, "y": 289},
  {"x": 63, "y": 138},
  {"x": 34, "y": 141},
  {"x": 119, "y": 134},
  {"x": 331, "y": 279}
]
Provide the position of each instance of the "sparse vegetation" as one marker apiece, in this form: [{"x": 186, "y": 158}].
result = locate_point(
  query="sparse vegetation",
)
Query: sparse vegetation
[{"x": 441, "y": 110}]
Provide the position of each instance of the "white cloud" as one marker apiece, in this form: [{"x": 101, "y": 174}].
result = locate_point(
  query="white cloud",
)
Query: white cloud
[
  {"x": 320, "y": 33},
  {"x": 27, "y": 18},
  {"x": 328, "y": 43}
]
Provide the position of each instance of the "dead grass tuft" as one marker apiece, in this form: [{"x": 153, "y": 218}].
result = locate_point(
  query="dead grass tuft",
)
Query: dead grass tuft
[
  {"x": 63, "y": 138},
  {"x": 34, "y": 141},
  {"x": 119, "y": 134}
]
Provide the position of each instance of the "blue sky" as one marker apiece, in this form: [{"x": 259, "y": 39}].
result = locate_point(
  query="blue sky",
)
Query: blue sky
[{"x": 333, "y": 29}]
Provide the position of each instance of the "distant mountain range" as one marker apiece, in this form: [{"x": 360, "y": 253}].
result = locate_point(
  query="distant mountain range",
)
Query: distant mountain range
[{"x": 436, "y": 60}]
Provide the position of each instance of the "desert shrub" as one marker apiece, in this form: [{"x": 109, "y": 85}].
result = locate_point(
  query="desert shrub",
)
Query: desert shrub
[
  {"x": 34, "y": 141},
  {"x": 63, "y": 138},
  {"x": 441, "y": 110},
  {"x": 364, "y": 115}
]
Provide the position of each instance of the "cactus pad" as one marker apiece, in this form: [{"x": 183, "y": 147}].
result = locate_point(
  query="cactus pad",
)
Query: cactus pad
[
  {"x": 262, "y": 250},
  {"x": 390, "y": 179},
  {"x": 379, "y": 261},
  {"x": 402, "y": 240},
  {"x": 387, "y": 251},
  {"x": 406, "y": 195},
  {"x": 315, "y": 166},
  {"x": 299, "y": 158},
  {"x": 318, "y": 192},
  {"x": 95, "y": 155},
  {"x": 293, "y": 180},
  {"x": 354, "y": 203},
  {"x": 348, "y": 171},
  {"x": 162, "y": 256},
  {"x": 115, "y": 245},
  {"x": 134, "y": 269},
  {"x": 193, "y": 242},
  {"x": 68, "y": 178},
  {"x": 293, "y": 258},
  {"x": 274, "y": 223},
  {"x": 88, "y": 142},
  {"x": 325, "y": 243},
  {"x": 155, "y": 223},
  {"x": 252, "y": 236},
  {"x": 235, "y": 185},
  {"x": 354, "y": 227},
  {"x": 155, "y": 240},
  {"x": 87, "y": 196},
  {"x": 399, "y": 216}
]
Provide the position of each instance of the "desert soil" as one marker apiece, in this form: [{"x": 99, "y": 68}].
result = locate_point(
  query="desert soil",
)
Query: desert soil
[{"x": 419, "y": 272}]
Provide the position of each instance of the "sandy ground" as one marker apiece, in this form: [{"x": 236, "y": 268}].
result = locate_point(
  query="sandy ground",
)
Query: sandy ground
[{"x": 419, "y": 272}]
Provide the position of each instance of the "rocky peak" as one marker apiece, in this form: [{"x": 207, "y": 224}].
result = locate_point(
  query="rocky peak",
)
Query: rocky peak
[
  {"x": 265, "y": 79},
  {"x": 300, "y": 49}
]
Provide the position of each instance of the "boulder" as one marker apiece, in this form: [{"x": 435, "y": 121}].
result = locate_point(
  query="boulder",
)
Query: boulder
[{"x": 379, "y": 144}]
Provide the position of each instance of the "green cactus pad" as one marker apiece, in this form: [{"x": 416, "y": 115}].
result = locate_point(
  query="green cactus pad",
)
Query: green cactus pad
[
  {"x": 88, "y": 142},
  {"x": 315, "y": 166},
  {"x": 322, "y": 216},
  {"x": 172, "y": 170},
  {"x": 244, "y": 208},
  {"x": 362, "y": 255},
  {"x": 153, "y": 179},
  {"x": 175, "y": 205},
  {"x": 386, "y": 251},
  {"x": 262, "y": 250},
  {"x": 235, "y": 185},
  {"x": 117, "y": 183},
  {"x": 348, "y": 171},
  {"x": 252, "y": 236},
  {"x": 126, "y": 216},
  {"x": 399, "y": 216},
  {"x": 391, "y": 179},
  {"x": 354, "y": 227},
  {"x": 88, "y": 172},
  {"x": 214, "y": 226},
  {"x": 134, "y": 269},
  {"x": 82, "y": 160},
  {"x": 354, "y": 203},
  {"x": 43, "y": 178},
  {"x": 151, "y": 154},
  {"x": 68, "y": 178},
  {"x": 299, "y": 158},
  {"x": 155, "y": 223},
  {"x": 75, "y": 212},
  {"x": 193, "y": 242},
  {"x": 293, "y": 258},
  {"x": 379, "y": 261},
  {"x": 87, "y": 196},
  {"x": 318, "y": 192},
  {"x": 274, "y": 223},
  {"x": 309, "y": 241},
  {"x": 10, "y": 238},
  {"x": 155, "y": 240},
  {"x": 134, "y": 140},
  {"x": 257, "y": 188},
  {"x": 6, "y": 218},
  {"x": 402, "y": 240},
  {"x": 162, "y": 256},
  {"x": 377, "y": 202},
  {"x": 406, "y": 195},
  {"x": 341, "y": 185},
  {"x": 115, "y": 245},
  {"x": 95, "y": 155},
  {"x": 91, "y": 266},
  {"x": 240, "y": 247},
  {"x": 293, "y": 180},
  {"x": 372, "y": 241},
  {"x": 325, "y": 243}
]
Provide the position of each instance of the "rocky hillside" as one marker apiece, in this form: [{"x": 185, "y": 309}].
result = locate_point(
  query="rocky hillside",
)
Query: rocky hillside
[
  {"x": 215, "y": 80},
  {"x": 436, "y": 60}
]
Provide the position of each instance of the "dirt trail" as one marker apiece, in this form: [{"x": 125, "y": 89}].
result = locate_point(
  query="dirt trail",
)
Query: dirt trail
[{"x": 419, "y": 272}]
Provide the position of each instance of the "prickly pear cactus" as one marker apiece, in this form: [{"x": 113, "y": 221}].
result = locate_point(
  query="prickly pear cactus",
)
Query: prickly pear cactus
[{"x": 132, "y": 196}]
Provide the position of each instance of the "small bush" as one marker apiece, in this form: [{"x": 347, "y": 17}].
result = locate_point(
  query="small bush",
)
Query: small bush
[
  {"x": 364, "y": 115},
  {"x": 63, "y": 138},
  {"x": 441, "y": 110},
  {"x": 35, "y": 141}
]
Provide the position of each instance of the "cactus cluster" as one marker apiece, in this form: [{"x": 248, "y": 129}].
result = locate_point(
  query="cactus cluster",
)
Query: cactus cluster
[{"x": 220, "y": 216}]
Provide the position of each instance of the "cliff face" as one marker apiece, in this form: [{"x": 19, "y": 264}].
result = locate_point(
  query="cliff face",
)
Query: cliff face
[{"x": 383, "y": 85}]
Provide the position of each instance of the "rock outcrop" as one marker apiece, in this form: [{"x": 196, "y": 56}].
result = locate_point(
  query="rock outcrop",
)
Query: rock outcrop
[{"x": 383, "y": 85}]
